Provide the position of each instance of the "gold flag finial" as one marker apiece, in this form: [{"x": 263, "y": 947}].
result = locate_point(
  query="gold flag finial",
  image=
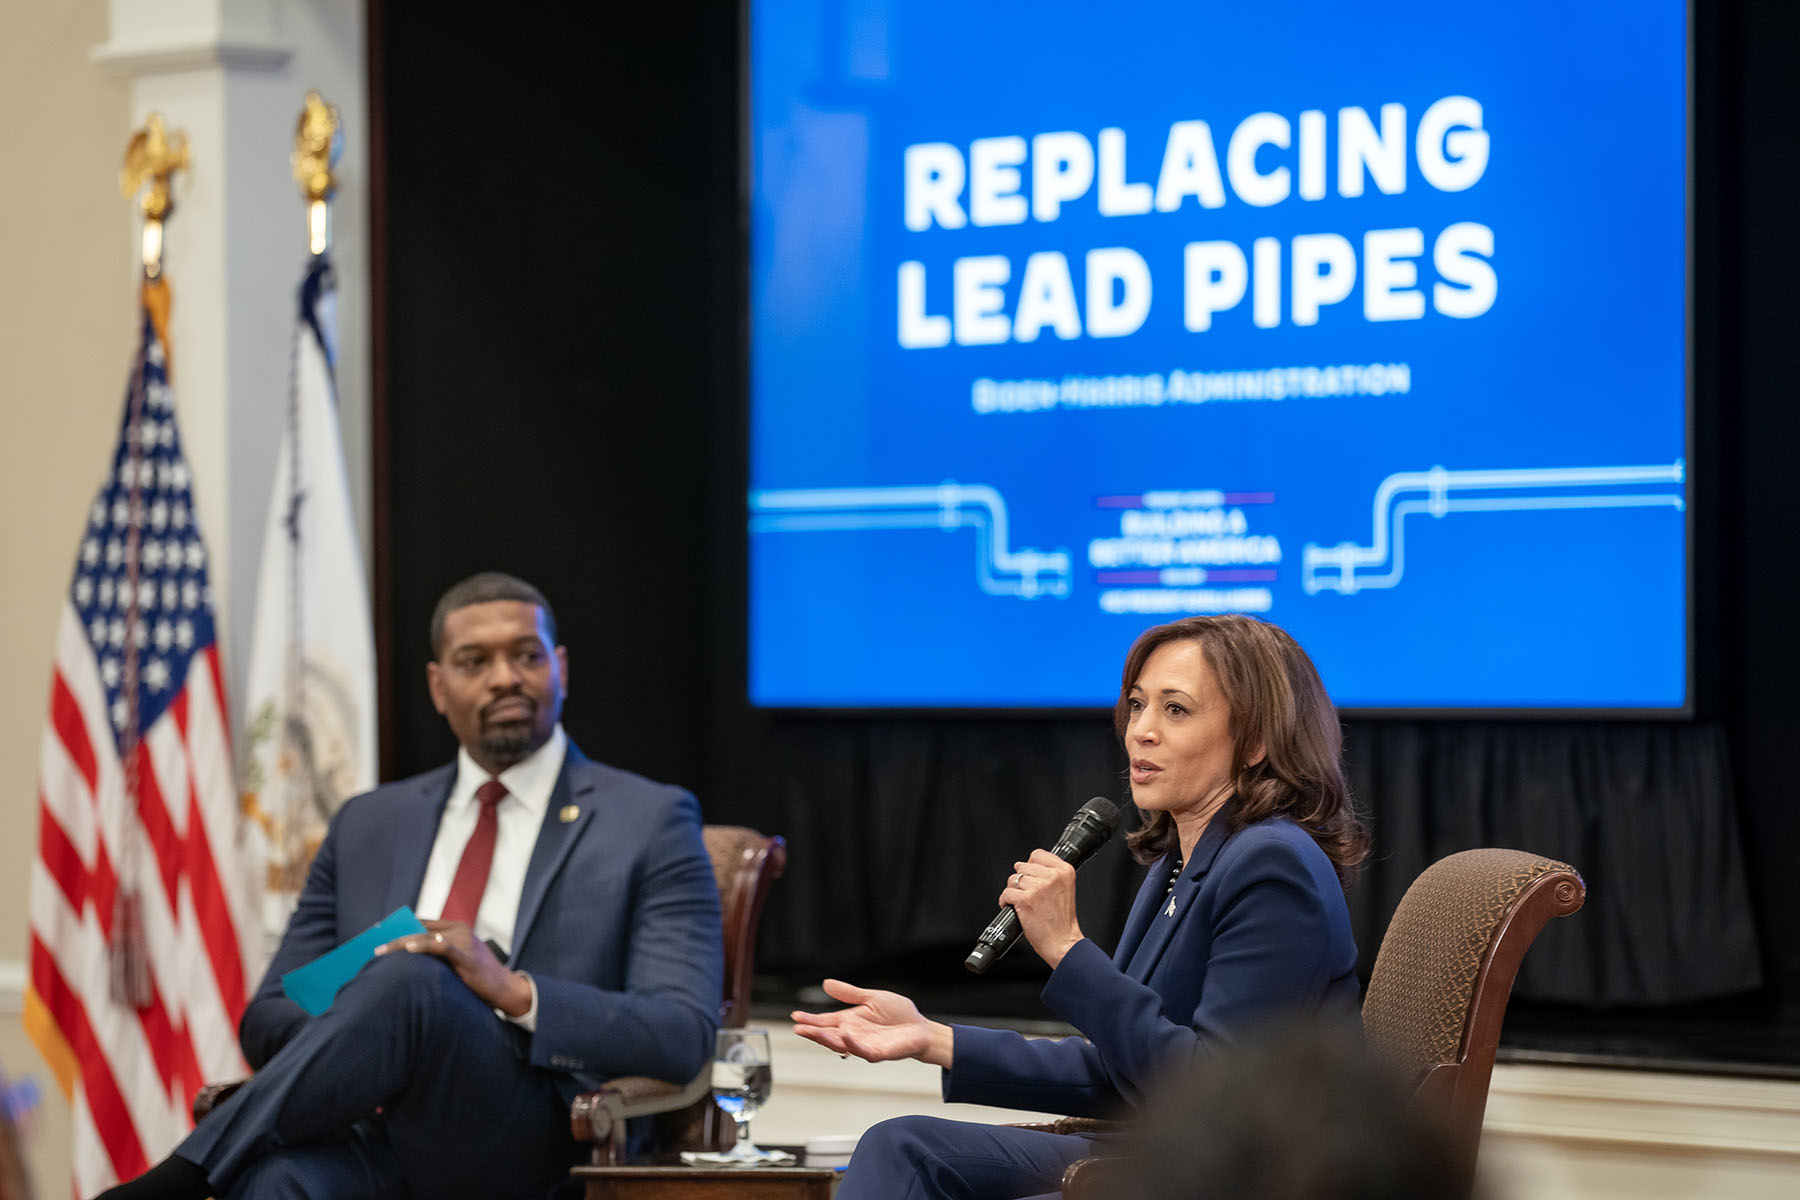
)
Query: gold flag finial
[
  {"x": 318, "y": 141},
  {"x": 151, "y": 158}
]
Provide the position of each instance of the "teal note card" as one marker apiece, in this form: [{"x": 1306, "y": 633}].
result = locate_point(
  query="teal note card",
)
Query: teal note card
[{"x": 313, "y": 986}]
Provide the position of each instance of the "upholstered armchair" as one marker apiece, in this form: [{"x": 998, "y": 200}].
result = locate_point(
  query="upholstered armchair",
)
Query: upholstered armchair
[
  {"x": 1438, "y": 993},
  {"x": 746, "y": 864}
]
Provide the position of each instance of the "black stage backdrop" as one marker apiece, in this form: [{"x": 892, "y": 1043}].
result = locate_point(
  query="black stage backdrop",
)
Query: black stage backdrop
[{"x": 560, "y": 357}]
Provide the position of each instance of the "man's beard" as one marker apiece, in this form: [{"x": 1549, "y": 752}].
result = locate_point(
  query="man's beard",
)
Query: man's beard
[{"x": 508, "y": 744}]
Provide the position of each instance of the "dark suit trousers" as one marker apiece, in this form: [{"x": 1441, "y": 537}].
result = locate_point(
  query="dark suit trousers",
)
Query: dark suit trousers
[
  {"x": 461, "y": 1111},
  {"x": 930, "y": 1158}
]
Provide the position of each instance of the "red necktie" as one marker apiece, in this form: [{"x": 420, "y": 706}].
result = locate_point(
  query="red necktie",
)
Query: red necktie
[{"x": 472, "y": 871}]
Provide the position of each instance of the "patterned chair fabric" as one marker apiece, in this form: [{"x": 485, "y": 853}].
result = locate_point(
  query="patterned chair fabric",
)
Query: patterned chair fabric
[{"x": 1446, "y": 967}]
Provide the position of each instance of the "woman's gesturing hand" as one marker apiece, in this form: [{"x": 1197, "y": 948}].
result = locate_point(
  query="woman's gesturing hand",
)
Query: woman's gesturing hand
[
  {"x": 878, "y": 1026},
  {"x": 1041, "y": 891}
]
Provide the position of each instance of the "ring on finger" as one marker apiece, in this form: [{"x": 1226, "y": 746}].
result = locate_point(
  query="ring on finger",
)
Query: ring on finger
[{"x": 438, "y": 938}]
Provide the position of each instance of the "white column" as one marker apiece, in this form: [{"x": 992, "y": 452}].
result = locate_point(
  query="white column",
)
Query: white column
[{"x": 233, "y": 74}]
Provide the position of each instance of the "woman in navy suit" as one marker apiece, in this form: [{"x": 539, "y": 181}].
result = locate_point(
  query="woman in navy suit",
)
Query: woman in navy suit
[{"x": 1250, "y": 835}]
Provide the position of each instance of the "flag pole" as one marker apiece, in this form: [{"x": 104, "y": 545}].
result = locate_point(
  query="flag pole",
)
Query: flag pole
[
  {"x": 318, "y": 142},
  {"x": 152, "y": 157}
]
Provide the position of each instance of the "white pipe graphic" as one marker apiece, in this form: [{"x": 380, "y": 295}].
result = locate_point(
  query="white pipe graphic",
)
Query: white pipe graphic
[
  {"x": 1026, "y": 573},
  {"x": 1318, "y": 563}
]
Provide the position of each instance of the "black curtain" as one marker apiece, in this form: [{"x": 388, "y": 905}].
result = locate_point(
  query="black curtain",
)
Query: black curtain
[
  {"x": 1645, "y": 812},
  {"x": 564, "y": 395},
  {"x": 902, "y": 832}
]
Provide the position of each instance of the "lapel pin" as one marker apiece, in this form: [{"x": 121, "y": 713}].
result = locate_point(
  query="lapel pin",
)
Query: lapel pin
[{"x": 569, "y": 813}]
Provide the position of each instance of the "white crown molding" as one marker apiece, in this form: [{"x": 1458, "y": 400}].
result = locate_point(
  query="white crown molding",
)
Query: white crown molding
[{"x": 134, "y": 60}]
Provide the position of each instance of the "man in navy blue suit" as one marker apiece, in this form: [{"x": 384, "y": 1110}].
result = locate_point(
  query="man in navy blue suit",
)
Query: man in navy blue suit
[{"x": 572, "y": 935}]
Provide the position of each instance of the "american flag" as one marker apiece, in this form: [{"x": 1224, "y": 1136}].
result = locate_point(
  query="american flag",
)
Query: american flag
[{"x": 141, "y": 929}]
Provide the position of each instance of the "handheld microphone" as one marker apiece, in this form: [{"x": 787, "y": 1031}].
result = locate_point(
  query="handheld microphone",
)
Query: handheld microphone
[{"x": 1087, "y": 831}]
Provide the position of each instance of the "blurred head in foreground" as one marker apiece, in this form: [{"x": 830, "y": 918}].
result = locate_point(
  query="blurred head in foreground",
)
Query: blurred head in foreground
[{"x": 1299, "y": 1113}]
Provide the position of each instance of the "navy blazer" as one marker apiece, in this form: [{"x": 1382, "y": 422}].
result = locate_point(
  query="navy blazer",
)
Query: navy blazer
[
  {"x": 1259, "y": 928},
  {"x": 618, "y": 923}
]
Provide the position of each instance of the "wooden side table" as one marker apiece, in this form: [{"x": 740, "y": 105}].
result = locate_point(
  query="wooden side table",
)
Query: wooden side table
[{"x": 674, "y": 1180}]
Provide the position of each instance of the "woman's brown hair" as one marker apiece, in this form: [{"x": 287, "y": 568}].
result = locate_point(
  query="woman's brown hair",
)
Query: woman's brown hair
[{"x": 1276, "y": 702}]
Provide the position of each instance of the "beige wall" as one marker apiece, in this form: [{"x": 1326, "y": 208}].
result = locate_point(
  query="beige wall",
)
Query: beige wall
[{"x": 67, "y": 310}]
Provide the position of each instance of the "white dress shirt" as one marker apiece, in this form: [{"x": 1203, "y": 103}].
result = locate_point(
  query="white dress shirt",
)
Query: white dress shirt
[{"x": 520, "y": 815}]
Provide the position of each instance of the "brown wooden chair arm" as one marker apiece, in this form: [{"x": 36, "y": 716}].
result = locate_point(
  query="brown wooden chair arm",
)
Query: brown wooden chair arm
[
  {"x": 213, "y": 1095},
  {"x": 1096, "y": 1178},
  {"x": 1088, "y": 1125},
  {"x": 1074, "y": 1125},
  {"x": 600, "y": 1116}
]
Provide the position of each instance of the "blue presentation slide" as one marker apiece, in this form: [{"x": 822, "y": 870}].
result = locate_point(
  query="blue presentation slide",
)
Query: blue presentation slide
[{"x": 1365, "y": 319}]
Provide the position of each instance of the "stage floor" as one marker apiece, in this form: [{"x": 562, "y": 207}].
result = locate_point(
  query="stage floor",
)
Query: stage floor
[{"x": 1739, "y": 1037}]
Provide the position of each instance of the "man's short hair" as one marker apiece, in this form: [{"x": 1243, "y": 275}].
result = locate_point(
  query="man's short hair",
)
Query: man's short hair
[{"x": 485, "y": 587}]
